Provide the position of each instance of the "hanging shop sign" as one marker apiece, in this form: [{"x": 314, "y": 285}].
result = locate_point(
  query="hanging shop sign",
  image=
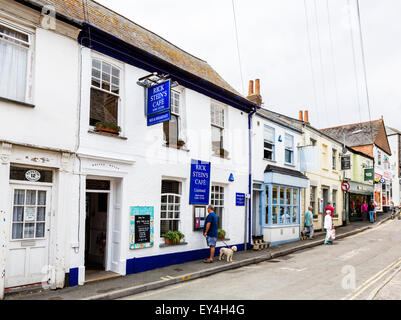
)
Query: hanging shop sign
[
  {"x": 141, "y": 227},
  {"x": 378, "y": 177},
  {"x": 368, "y": 174},
  {"x": 240, "y": 199},
  {"x": 345, "y": 186},
  {"x": 346, "y": 162},
  {"x": 158, "y": 103},
  {"x": 200, "y": 183}
]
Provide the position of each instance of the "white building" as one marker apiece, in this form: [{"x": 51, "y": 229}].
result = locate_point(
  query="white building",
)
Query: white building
[
  {"x": 111, "y": 197},
  {"x": 39, "y": 94},
  {"x": 394, "y": 139},
  {"x": 277, "y": 181}
]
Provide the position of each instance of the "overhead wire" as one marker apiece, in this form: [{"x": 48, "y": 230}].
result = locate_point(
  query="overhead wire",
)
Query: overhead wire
[
  {"x": 311, "y": 62},
  {"x": 238, "y": 50}
]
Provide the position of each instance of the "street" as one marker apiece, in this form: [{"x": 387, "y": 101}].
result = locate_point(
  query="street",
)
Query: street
[{"x": 363, "y": 266}]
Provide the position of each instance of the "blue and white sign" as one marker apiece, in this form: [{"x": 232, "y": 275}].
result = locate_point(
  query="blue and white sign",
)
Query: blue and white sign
[
  {"x": 158, "y": 98},
  {"x": 200, "y": 183},
  {"x": 158, "y": 118},
  {"x": 240, "y": 199}
]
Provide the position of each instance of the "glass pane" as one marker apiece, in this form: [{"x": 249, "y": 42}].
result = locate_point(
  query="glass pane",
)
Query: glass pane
[
  {"x": 18, "y": 214},
  {"x": 170, "y": 199},
  {"x": 30, "y": 213},
  {"x": 29, "y": 230},
  {"x": 282, "y": 195},
  {"x": 19, "y": 197},
  {"x": 106, "y": 68},
  {"x": 164, "y": 199},
  {"x": 281, "y": 217},
  {"x": 288, "y": 196},
  {"x": 274, "y": 214},
  {"x": 295, "y": 196},
  {"x": 96, "y": 64},
  {"x": 170, "y": 215},
  {"x": 268, "y": 154},
  {"x": 30, "y": 197},
  {"x": 96, "y": 73},
  {"x": 294, "y": 214},
  {"x": 269, "y": 134},
  {"x": 41, "y": 216},
  {"x": 41, "y": 198},
  {"x": 96, "y": 82},
  {"x": 115, "y": 89},
  {"x": 40, "y": 230},
  {"x": 103, "y": 107},
  {"x": 176, "y": 215},
  {"x": 275, "y": 195},
  {"x": 17, "y": 230},
  {"x": 116, "y": 72},
  {"x": 115, "y": 81},
  {"x": 105, "y": 85},
  {"x": 217, "y": 139},
  {"x": 163, "y": 214},
  {"x": 267, "y": 215}
]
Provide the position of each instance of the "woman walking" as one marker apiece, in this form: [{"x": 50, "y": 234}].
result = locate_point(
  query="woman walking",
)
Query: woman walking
[{"x": 371, "y": 208}]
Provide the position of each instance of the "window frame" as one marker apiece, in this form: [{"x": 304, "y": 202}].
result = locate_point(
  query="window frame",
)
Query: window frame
[
  {"x": 288, "y": 208},
  {"x": 334, "y": 159},
  {"x": 291, "y": 150},
  {"x": 176, "y": 114},
  {"x": 219, "y": 126},
  {"x": 221, "y": 198},
  {"x": 120, "y": 95},
  {"x": 28, "y": 97},
  {"x": 273, "y": 143},
  {"x": 176, "y": 196}
]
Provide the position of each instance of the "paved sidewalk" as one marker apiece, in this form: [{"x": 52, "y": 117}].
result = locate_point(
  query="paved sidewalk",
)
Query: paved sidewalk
[{"x": 158, "y": 278}]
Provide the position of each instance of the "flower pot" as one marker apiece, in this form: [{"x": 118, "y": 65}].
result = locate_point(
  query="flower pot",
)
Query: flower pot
[{"x": 107, "y": 130}]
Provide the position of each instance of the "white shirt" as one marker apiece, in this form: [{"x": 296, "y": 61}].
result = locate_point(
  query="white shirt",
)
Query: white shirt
[{"x": 328, "y": 222}]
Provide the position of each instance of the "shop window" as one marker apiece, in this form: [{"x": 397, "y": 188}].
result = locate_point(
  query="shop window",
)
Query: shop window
[
  {"x": 284, "y": 205},
  {"x": 269, "y": 145},
  {"x": 15, "y": 60},
  {"x": 170, "y": 206},
  {"x": 105, "y": 93}
]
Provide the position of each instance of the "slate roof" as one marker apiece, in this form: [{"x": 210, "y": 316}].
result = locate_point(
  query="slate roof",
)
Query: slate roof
[{"x": 95, "y": 14}]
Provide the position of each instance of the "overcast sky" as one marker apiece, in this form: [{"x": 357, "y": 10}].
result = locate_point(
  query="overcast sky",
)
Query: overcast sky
[{"x": 297, "y": 72}]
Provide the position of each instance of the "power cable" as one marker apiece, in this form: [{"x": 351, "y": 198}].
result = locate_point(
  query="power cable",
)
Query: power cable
[
  {"x": 239, "y": 55},
  {"x": 311, "y": 62}
]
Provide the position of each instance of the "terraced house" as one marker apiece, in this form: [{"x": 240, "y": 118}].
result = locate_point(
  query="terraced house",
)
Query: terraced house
[{"x": 101, "y": 179}]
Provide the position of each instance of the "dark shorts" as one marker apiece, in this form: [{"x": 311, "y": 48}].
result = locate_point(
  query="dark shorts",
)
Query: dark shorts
[{"x": 211, "y": 241}]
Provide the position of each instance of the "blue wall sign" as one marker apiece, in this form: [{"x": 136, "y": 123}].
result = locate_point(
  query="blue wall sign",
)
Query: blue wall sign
[
  {"x": 240, "y": 199},
  {"x": 231, "y": 177},
  {"x": 158, "y": 103},
  {"x": 200, "y": 182}
]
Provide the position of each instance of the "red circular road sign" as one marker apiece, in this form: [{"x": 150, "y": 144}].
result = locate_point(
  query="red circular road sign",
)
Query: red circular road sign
[{"x": 345, "y": 186}]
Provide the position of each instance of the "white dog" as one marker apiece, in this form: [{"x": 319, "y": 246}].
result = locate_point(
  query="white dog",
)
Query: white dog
[{"x": 228, "y": 252}]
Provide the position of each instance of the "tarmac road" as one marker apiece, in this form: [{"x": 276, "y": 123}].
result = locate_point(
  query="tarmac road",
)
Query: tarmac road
[{"x": 364, "y": 266}]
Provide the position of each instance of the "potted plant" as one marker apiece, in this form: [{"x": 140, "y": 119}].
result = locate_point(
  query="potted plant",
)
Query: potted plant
[
  {"x": 222, "y": 153},
  {"x": 180, "y": 143},
  {"x": 221, "y": 234},
  {"x": 173, "y": 237},
  {"x": 107, "y": 127}
]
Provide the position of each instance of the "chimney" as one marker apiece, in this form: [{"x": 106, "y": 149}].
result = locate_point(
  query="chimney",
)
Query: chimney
[
  {"x": 301, "y": 116},
  {"x": 306, "y": 117},
  {"x": 254, "y": 96}
]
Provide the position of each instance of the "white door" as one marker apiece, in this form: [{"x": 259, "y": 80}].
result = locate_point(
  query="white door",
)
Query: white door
[{"x": 28, "y": 248}]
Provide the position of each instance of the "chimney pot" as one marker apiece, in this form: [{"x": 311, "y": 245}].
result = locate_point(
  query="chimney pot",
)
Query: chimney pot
[
  {"x": 257, "y": 86},
  {"x": 306, "y": 117},
  {"x": 301, "y": 117},
  {"x": 250, "y": 92}
]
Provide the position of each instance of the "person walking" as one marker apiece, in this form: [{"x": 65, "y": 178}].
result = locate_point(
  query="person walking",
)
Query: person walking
[
  {"x": 364, "y": 211},
  {"x": 210, "y": 233},
  {"x": 328, "y": 225},
  {"x": 371, "y": 209},
  {"x": 329, "y": 210},
  {"x": 309, "y": 223}
]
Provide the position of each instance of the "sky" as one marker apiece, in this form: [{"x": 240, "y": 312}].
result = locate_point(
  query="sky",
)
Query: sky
[{"x": 306, "y": 53}]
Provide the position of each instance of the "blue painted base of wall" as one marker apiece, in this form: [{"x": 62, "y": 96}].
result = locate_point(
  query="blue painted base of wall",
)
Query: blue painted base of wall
[
  {"x": 73, "y": 277},
  {"x": 275, "y": 243},
  {"x": 137, "y": 265}
]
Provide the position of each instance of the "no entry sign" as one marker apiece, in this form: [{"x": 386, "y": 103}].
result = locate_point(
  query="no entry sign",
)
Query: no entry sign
[{"x": 345, "y": 186}]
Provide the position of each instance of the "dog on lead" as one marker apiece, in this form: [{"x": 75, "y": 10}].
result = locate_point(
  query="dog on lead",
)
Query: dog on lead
[{"x": 228, "y": 252}]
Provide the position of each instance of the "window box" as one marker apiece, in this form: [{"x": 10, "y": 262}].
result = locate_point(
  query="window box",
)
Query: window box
[
  {"x": 108, "y": 128},
  {"x": 222, "y": 153},
  {"x": 173, "y": 237}
]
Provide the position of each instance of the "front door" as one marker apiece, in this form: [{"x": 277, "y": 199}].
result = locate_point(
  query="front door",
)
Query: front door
[{"x": 28, "y": 249}]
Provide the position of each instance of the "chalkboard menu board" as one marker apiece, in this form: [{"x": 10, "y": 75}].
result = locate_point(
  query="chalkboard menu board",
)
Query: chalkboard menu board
[{"x": 141, "y": 227}]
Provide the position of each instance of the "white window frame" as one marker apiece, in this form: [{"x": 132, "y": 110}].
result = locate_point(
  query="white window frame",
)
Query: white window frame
[
  {"x": 218, "y": 119},
  {"x": 30, "y": 57},
  {"x": 334, "y": 159},
  {"x": 120, "y": 66},
  {"x": 218, "y": 190},
  {"x": 287, "y": 135},
  {"x": 167, "y": 203},
  {"x": 273, "y": 143}
]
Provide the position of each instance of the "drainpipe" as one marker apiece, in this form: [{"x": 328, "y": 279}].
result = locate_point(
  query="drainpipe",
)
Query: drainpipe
[{"x": 249, "y": 201}]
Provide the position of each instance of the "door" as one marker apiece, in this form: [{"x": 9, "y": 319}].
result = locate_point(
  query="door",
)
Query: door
[
  {"x": 28, "y": 249},
  {"x": 256, "y": 214},
  {"x": 325, "y": 200}
]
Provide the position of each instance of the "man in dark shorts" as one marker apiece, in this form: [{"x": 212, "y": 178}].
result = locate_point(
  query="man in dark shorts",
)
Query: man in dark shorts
[{"x": 210, "y": 232}]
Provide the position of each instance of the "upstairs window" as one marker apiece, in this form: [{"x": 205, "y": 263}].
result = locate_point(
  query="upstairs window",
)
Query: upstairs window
[
  {"x": 172, "y": 128},
  {"x": 269, "y": 146},
  {"x": 15, "y": 57},
  {"x": 289, "y": 149},
  {"x": 217, "y": 120},
  {"x": 334, "y": 159},
  {"x": 105, "y": 93}
]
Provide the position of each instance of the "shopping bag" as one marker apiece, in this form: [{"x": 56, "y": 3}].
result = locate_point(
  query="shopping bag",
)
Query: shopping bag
[{"x": 333, "y": 234}]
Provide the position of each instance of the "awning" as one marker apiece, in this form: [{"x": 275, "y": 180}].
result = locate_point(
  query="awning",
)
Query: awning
[{"x": 284, "y": 176}]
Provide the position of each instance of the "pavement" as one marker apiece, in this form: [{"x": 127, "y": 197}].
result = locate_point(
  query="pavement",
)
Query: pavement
[{"x": 158, "y": 278}]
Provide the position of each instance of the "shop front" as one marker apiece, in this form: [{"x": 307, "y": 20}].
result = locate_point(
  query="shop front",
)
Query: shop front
[
  {"x": 357, "y": 195},
  {"x": 280, "y": 204}
]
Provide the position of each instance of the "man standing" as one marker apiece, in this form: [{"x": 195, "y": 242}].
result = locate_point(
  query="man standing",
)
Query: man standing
[
  {"x": 210, "y": 232},
  {"x": 309, "y": 222},
  {"x": 329, "y": 210}
]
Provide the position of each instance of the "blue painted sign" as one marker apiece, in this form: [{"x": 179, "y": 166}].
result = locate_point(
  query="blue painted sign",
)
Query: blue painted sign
[
  {"x": 240, "y": 199},
  {"x": 142, "y": 228},
  {"x": 158, "y": 98},
  {"x": 158, "y": 118},
  {"x": 200, "y": 183}
]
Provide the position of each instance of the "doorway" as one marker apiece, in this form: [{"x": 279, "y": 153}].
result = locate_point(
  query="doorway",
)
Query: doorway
[{"x": 325, "y": 192}]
